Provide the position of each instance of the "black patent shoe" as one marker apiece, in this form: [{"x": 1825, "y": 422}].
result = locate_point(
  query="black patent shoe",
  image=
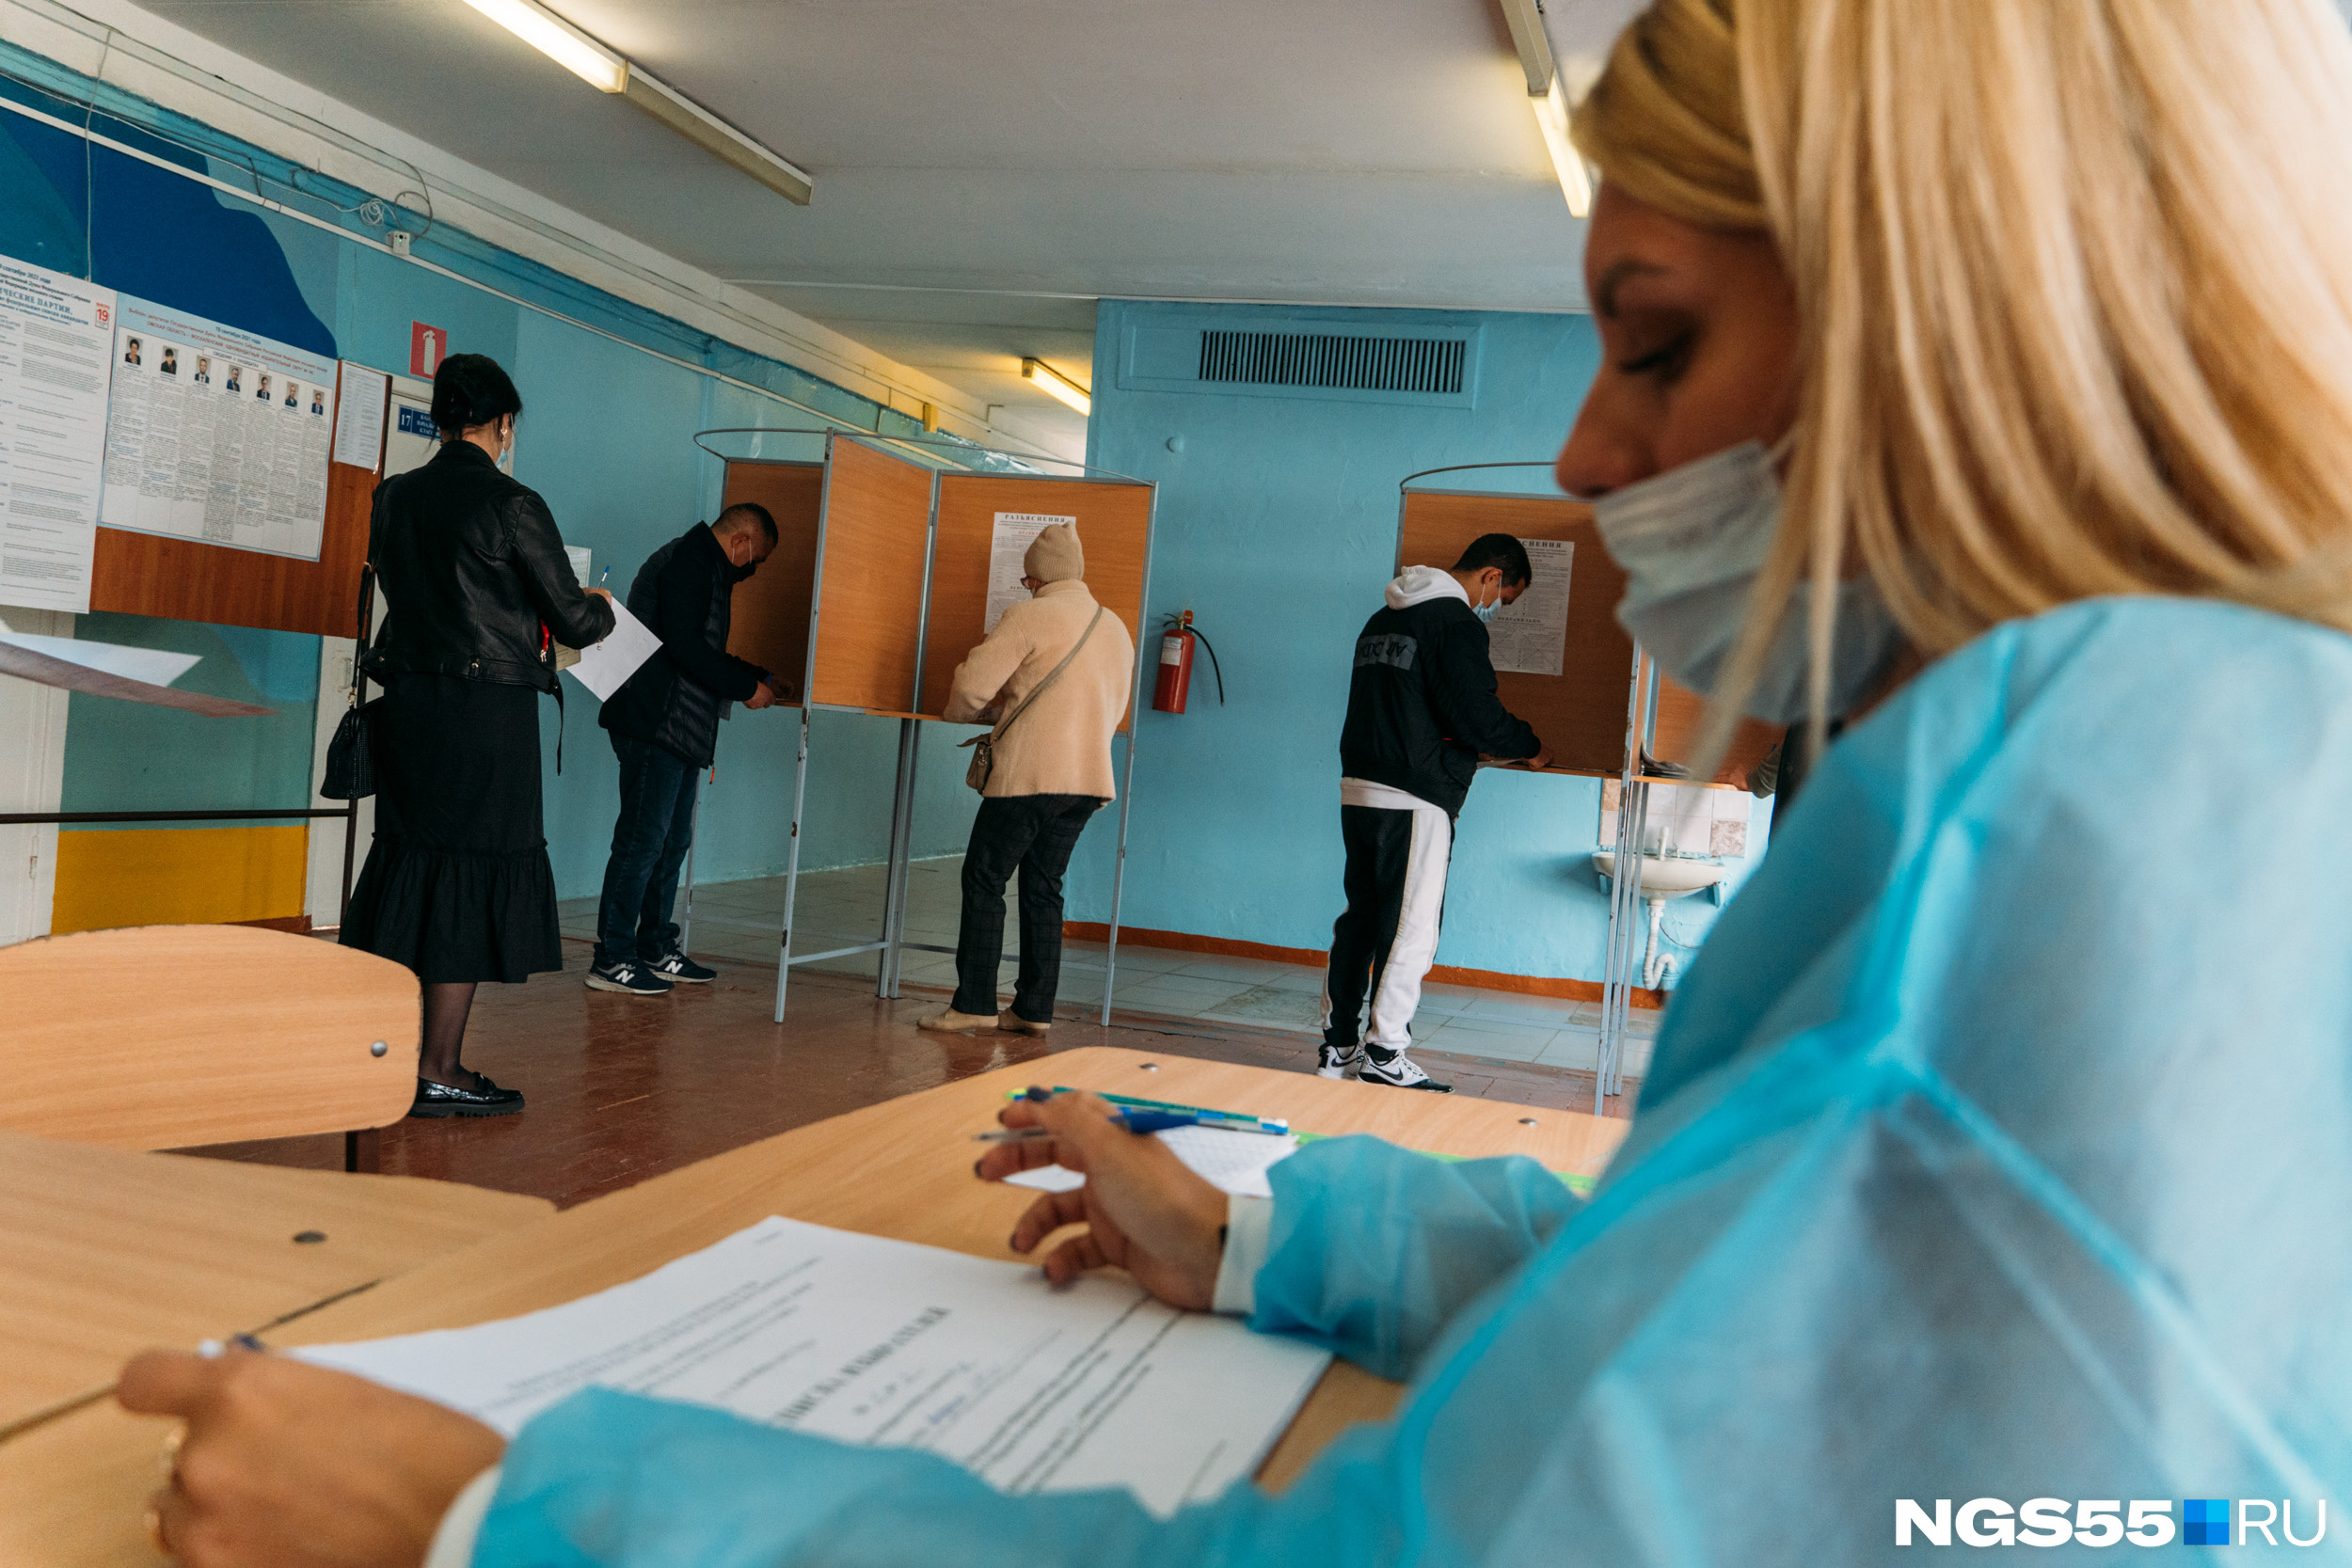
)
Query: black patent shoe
[{"x": 484, "y": 1099}]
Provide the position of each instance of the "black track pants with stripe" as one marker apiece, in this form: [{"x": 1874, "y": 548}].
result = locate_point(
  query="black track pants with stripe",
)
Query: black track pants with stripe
[{"x": 1386, "y": 941}]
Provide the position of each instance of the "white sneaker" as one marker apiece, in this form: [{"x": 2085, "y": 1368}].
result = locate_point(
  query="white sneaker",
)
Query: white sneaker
[
  {"x": 1337, "y": 1063},
  {"x": 1398, "y": 1072}
]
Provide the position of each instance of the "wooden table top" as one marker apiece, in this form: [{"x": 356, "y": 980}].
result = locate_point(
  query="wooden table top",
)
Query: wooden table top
[
  {"x": 105, "y": 1252},
  {"x": 71, "y": 1489}
]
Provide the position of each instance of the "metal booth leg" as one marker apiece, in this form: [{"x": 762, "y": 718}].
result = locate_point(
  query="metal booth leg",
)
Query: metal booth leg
[
  {"x": 792, "y": 865},
  {"x": 894, "y": 931}
]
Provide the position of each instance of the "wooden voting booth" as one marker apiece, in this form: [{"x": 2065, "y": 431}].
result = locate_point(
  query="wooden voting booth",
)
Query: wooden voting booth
[
  {"x": 879, "y": 589},
  {"x": 1610, "y": 712}
]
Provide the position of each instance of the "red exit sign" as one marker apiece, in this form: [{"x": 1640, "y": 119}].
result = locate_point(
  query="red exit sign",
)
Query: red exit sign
[{"x": 428, "y": 347}]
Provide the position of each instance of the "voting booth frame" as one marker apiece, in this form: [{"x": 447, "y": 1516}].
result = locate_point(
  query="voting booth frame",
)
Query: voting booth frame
[
  {"x": 1610, "y": 713},
  {"x": 877, "y": 525}
]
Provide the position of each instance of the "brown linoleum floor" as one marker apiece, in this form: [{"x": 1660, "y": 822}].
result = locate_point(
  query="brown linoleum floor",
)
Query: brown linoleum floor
[{"x": 620, "y": 1088}]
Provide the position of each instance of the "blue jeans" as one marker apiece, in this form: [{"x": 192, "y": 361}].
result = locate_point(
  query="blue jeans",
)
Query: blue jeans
[{"x": 649, "y": 843}]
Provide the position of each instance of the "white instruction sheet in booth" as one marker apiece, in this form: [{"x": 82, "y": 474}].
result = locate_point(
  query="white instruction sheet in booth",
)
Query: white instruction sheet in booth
[
  {"x": 1531, "y": 637},
  {"x": 57, "y": 337},
  {"x": 1014, "y": 533},
  {"x": 216, "y": 434}
]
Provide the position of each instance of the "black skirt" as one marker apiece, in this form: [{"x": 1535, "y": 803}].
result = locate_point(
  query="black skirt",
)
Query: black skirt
[{"x": 457, "y": 884}]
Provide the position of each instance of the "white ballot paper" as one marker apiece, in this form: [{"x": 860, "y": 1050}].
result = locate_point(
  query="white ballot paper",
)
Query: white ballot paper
[
  {"x": 1231, "y": 1162},
  {"x": 1531, "y": 636},
  {"x": 1016, "y": 532},
  {"x": 888, "y": 1344},
  {"x": 603, "y": 667}
]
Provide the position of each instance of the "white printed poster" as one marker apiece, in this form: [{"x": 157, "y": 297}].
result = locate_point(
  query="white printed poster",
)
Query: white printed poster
[
  {"x": 1531, "y": 636},
  {"x": 1016, "y": 532},
  {"x": 359, "y": 417},
  {"x": 216, "y": 434},
  {"x": 57, "y": 335}
]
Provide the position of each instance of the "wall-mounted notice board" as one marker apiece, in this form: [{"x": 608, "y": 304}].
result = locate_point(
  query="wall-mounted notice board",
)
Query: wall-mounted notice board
[
  {"x": 771, "y": 618},
  {"x": 1114, "y": 524},
  {"x": 1580, "y": 712},
  {"x": 184, "y": 579}
]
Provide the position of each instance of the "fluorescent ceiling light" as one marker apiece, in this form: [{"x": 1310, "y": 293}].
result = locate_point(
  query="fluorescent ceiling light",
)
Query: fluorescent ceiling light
[
  {"x": 606, "y": 71},
  {"x": 1550, "y": 100},
  {"x": 1551, "y": 118},
  {"x": 717, "y": 137},
  {"x": 1061, "y": 385},
  {"x": 559, "y": 40}
]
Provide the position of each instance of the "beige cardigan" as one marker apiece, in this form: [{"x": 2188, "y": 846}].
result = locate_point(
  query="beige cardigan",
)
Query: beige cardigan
[{"x": 1062, "y": 744}]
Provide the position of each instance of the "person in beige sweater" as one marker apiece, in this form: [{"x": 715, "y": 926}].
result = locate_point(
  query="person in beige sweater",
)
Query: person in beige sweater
[{"x": 1052, "y": 773}]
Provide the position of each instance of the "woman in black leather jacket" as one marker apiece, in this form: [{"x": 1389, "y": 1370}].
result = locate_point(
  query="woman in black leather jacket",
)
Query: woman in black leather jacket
[{"x": 457, "y": 884}]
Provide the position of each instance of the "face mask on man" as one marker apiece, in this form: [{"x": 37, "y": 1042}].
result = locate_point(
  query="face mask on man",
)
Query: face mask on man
[
  {"x": 1693, "y": 540},
  {"x": 1486, "y": 612}
]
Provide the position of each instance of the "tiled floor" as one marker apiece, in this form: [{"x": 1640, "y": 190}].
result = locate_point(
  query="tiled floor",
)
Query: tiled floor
[{"x": 842, "y": 908}]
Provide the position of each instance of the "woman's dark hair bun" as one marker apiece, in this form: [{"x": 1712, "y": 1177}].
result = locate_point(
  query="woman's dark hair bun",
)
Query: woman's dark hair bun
[{"x": 470, "y": 389}]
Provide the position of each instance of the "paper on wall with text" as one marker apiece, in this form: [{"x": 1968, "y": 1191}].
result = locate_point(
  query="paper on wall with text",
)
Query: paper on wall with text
[
  {"x": 56, "y": 340},
  {"x": 888, "y": 1344},
  {"x": 1015, "y": 531},
  {"x": 1531, "y": 636},
  {"x": 360, "y": 416},
  {"x": 216, "y": 434}
]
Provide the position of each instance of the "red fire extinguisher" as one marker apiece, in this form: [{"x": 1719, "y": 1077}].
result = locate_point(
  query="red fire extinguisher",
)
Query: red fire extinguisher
[{"x": 1177, "y": 637}]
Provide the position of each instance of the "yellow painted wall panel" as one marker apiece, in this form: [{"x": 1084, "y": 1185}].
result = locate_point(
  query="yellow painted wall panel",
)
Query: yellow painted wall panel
[{"x": 179, "y": 876}]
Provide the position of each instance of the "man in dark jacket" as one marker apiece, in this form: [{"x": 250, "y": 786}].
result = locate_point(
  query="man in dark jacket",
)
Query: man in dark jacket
[
  {"x": 1421, "y": 711},
  {"x": 664, "y": 724}
]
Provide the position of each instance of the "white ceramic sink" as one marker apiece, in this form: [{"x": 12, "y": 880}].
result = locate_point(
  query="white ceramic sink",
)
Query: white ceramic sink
[{"x": 1664, "y": 877}]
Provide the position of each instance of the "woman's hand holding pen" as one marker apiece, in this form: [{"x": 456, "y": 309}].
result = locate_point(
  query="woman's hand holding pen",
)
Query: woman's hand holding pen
[{"x": 1144, "y": 1208}]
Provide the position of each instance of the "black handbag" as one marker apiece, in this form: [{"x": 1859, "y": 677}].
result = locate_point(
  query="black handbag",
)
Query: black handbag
[{"x": 350, "y": 759}]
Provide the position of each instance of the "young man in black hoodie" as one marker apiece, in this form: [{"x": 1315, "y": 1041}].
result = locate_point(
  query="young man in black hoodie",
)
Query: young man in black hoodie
[
  {"x": 664, "y": 724},
  {"x": 1421, "y": 711}
]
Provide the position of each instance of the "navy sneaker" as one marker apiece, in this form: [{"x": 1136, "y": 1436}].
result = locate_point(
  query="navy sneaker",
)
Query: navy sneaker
[
  {"x": 676, "y": 968},
  {"x": 627, "y": 976}
]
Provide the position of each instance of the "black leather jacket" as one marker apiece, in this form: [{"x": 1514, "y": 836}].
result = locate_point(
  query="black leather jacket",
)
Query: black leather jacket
[
  {"x": 474, "y": 575},
  {"x": 686, "y": 593}
]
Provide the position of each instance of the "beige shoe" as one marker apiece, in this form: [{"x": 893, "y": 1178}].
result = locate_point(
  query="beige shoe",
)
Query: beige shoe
[
  {"x": 950, "y": 1022},
  {"x": 1012, "y": 1024}
]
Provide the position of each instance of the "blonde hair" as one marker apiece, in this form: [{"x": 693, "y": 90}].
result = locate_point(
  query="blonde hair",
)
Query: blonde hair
[{"x": 2075, "y": 281}]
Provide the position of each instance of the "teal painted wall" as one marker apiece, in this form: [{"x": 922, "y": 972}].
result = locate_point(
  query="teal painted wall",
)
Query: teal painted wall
[
  {"x": 130, "y": 756},
  {"x": 1277, "y": 526}
]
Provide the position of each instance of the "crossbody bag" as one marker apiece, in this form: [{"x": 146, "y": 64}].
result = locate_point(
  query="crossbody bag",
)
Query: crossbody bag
[{"x": 984, "y": 758}]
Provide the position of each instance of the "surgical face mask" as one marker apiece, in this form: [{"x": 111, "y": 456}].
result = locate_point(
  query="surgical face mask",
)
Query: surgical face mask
[
  {"x": 1486, "y": 612},
  {"x": 1693, "y": 540}
]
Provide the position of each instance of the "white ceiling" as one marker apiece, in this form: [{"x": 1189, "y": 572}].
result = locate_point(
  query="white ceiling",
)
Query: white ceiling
[{"x": 985, "y": 173}]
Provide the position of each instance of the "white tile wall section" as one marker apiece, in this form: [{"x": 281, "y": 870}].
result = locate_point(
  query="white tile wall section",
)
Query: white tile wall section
[{"x": 1686, "y": 818}]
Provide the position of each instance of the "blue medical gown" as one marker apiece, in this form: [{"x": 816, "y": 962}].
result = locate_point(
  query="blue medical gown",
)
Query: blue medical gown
[{"x": 1998, "y": 1145}]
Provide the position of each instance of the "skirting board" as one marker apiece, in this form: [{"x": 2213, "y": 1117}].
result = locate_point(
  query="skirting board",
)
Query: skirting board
[{"x": 1444, "y": 974}]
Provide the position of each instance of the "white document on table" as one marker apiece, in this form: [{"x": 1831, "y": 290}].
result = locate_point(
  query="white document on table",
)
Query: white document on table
[
  {"x": 883, "y": 1343},
  {"x": 1008, "y": 545},
  {"x": 1232, "y": 1161},
  {"x": 1531, "y": 636},
  {"x": 604, "y": 666}
]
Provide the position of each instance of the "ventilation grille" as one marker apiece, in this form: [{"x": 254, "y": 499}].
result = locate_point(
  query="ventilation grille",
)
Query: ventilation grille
[{"x": 1331, "y": 361}]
